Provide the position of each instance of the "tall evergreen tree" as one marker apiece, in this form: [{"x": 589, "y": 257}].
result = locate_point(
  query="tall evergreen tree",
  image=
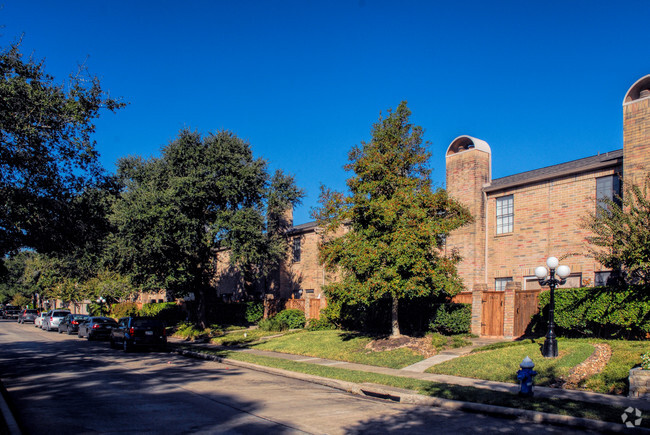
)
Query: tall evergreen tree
[{"x": 397, "y": 221}]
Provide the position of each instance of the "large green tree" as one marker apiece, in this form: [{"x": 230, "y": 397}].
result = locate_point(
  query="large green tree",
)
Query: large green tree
[
  {"x": 203, "y": 193},
  {"x": 397, "y": 222},
  {"x": 621, "y": 235},
  {"x": 48, "y": 159}
]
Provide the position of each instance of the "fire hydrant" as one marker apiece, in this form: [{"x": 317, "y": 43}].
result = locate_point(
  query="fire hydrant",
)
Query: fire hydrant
[{"x": 526, "y": 375}]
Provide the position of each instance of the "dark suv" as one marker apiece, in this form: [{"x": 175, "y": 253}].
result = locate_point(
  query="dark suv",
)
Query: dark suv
[
  {"x": 138, "y": 331},
  {"x": 11, "y": 312}
]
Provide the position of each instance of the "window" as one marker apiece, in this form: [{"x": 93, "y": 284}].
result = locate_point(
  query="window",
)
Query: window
[
  {"x": 505, "y": 214},
  {"x": 500, "y": 283},
  {"x": 296, "y": 250},
  {"x": 601, "y": 278},
  {"x": 608, "y": 188}
]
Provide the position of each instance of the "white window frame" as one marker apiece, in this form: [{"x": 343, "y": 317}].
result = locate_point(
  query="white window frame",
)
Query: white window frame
[{"x": 505, "y": 214}]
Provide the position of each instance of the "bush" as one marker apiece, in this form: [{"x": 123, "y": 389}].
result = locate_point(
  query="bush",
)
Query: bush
[
  {"x": 187, "y": 331},
  {"x": 287, "y": 319},
  {"x": 124, "y": 309},
  {"x": 451, "y": 319},
  {"x": 293, "y": 319},
  {"x": 438, "y": 340},
  {"x": 169, "y": 312},
  {"x": 254, "y": 311},
  {"x": 599, "y": 312},
  {"x": 321, "y": 324}
]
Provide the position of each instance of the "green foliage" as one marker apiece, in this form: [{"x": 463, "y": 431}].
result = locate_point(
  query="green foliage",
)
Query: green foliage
[
  {"x": 320, "y": 324},
  {"x": 49, "y": 163},
  {"x": 397, "y": 222},
  {"x": 599, "y": 312},
  {"x": 203, "y": 193},
  {"x": 645, "y": 361},
  {"x": 254, "y": 311},
  {"x": 124, "y": 309},
  {"x": 169, "y": 312},
  {"x": 438, "y": 341},
  {"x": 621, "y": 240},
  {"x": 188, "y": 331},
  {"x": 452, "y": 319},
  {"x": 286, "y": 319}
]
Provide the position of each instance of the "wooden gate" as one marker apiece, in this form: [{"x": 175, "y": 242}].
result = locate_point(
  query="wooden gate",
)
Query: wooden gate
[
  {"x": 525, "y": 308},
  {"x": 492, "y": 314},
  {"x": 315, "y": 305}
]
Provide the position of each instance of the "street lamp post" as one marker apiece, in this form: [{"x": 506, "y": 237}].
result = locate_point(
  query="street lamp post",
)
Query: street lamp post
[
  {"x": 101, "y": 301},
  {"x": 547, "y": 277}
]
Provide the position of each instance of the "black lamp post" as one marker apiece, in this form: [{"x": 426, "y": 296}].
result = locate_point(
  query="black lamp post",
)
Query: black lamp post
[{"x": 547, "y": 277}]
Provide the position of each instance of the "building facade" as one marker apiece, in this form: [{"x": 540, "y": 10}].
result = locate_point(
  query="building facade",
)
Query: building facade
[{"x": 522, "y": 219}]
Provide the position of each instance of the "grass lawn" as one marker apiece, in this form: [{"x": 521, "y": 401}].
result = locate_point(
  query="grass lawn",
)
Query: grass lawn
[
  {"x": 341, "y": 346},
  {"x": 500, "y": 362},
  {"x": 454, "y": 392}
]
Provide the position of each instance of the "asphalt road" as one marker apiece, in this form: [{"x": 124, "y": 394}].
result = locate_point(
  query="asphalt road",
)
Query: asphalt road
[{"x": 63, "y": 384}]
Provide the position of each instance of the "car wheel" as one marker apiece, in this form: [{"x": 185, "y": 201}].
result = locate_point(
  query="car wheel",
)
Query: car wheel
[
  {"x": 69, "y": 332},
  {"x": 79, "y": 334},
  {"x": 126, "y": 346},
  {"x": 59, "y": 330}
]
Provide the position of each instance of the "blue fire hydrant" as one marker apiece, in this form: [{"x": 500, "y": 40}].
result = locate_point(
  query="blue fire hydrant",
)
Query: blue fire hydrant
[{"x": 526, "y": 375}]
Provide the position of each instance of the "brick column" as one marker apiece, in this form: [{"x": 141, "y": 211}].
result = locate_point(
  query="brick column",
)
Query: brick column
[
  {"x": 509, "y": 309},
  {"x": 477, "y": 308}
]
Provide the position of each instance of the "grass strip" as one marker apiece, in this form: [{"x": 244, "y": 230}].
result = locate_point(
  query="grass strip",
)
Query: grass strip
[{"x": 594, "y": 411}]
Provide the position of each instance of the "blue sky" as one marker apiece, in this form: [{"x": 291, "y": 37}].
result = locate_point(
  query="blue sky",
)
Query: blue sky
[{"x": 303, "y": 81}]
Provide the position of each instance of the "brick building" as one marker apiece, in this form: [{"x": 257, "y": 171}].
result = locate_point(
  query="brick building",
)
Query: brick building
[{"x": 522, "y": 219}]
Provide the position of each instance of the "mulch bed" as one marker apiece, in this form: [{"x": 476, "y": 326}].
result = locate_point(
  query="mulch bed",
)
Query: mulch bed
[
  {"x": 592, "y": 365},
  {"x": 421, "y": 345}
]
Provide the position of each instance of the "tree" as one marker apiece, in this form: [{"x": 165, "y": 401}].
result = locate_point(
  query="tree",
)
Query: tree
[
  {"x": 621, "y": 235},
  {"x": 202, "y": 194},
  {"x": 47, "y": 156},
  {"x": 397, "y": 221}
]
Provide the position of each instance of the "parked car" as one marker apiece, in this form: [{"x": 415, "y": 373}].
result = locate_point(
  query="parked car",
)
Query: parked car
[
  {"x": 70, "y": 323},
  {"x": 38, "y": 322},
  {"x": 95, "y": 328},
  {"x": 53, "y": 318},
  {"x": 27, "y": 315},
  {"x": 138, "y": 331},
  {"x": 11, "y": 312}
]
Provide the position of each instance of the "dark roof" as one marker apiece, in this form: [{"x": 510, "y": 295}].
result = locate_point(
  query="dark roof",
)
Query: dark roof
[
  {"x": 611, "y": 158},
  {"x": 303, "y": 227}
]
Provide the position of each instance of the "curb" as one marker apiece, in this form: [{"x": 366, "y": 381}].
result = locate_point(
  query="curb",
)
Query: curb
[
  {"x": 413, "y": 398},
  {"x": 7, "y": 414}
]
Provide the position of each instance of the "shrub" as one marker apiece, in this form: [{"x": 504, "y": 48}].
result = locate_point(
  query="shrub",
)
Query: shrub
[
  {"x": 645, "y": 361},
  {"x": 254, "y": 311},
  {"x": 287, "y": 319},
  {"x": 599, "y": 312},
  {"x": 169, "y": 312},
  {"x": 452, "y": 319},
  {"x": 438, "y": 340},
  {"x": 124, "y": 309},
  {"x": 293, "y": 319},
  {"x": 321, "y": 324},
  {"x": 187, "y": 331}
]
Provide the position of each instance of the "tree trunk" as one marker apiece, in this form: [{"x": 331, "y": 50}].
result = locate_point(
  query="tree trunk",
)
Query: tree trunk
[{"x": 394, "y": 318}]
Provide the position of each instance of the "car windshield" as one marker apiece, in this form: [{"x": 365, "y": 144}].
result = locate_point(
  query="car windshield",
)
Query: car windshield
[{"x": 60, "y": 313}]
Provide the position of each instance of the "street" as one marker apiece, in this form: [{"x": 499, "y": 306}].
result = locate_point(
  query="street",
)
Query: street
[{"x": 63, "y": 384}]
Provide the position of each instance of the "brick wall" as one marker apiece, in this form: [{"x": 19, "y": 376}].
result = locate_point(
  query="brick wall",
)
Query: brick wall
[
  {"x": 636, "y": 140},
  {"x": 547, "y": 222},
  {"x": 467, "y": 172}
]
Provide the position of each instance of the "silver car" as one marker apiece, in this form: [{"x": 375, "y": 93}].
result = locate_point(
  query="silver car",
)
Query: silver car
[
  {"x": 38, "y": 322},
  {"x": 53, "y": 318}
]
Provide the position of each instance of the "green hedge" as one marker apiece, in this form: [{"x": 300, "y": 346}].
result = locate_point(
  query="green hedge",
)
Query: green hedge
[
  {"x": 286, "y": 319},
  {"x": 600, "y": 311},
  {"x": 451, "y": 318}
]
